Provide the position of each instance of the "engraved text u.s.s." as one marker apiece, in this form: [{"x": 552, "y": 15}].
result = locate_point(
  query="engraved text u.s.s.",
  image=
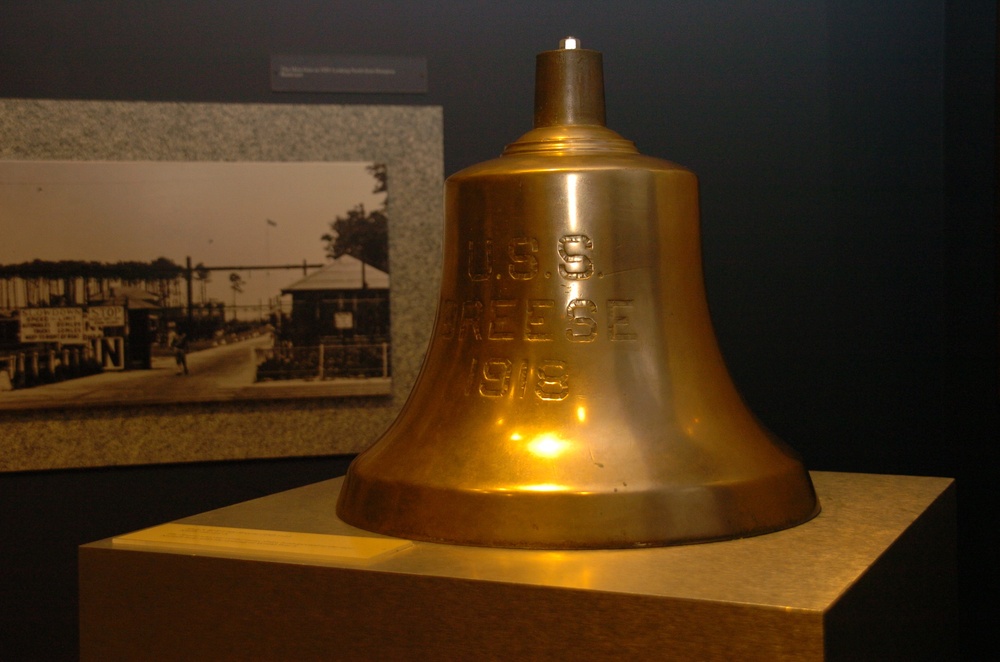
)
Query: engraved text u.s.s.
[{"x": 533, "y": 320}]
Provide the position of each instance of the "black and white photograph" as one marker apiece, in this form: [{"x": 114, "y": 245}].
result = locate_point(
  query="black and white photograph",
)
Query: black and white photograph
[{"x": 134, "y": 282}]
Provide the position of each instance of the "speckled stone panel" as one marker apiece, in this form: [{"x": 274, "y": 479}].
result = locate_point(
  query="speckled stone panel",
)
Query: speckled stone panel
[{"x": 407, "y": 138}]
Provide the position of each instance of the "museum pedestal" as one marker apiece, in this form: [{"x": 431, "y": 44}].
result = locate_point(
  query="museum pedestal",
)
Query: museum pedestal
[{"x": 281, "y": 578}]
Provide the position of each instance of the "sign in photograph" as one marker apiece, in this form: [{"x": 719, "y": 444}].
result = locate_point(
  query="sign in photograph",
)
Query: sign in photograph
[
  {"x": 61, "y": 325},
  {"x": 68, "y": 326},
  {"x": 98, "y": 318}
]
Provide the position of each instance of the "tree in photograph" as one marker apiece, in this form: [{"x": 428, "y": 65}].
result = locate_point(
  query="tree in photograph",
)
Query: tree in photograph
[
  {"x": 236, "y": 283},
  {"x": 77, "y": 282},
  {"x": 202, "y": 275},
  {"x": 164, "y": 274},
  {"x": 361, "y": 234},
  {"x": 381, "y": 175}
]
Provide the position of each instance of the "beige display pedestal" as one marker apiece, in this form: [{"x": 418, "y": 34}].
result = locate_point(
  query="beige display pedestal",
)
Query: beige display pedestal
[{"x": 872, "y": 577}]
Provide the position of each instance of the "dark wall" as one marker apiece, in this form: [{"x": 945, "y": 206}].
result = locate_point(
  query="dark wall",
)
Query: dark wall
[{"x": 846, "y": 152}]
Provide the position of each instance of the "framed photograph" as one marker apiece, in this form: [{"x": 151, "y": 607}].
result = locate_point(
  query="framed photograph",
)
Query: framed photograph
[
  {"x": 251, "y": 280},
  {"x": 165, "y": 263}
]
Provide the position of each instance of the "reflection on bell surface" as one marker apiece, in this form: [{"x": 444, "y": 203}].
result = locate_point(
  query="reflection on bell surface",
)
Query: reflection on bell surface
[{"x": 573, "y": 394}]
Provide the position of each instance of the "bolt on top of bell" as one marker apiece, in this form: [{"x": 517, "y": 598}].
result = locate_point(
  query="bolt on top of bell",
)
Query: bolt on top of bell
[{"x": 573, "y": 394}]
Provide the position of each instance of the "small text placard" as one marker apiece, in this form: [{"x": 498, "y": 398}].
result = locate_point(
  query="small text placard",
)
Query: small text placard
[
  {"x": 349, "y": 73},
  {"x": 277, "y": 545}
]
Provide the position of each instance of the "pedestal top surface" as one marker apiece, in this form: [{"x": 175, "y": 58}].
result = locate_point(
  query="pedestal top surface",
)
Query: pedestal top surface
[{"x": 803, "y": 568}]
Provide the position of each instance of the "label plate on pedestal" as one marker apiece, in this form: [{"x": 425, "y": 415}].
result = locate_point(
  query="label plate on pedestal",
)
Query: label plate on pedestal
[{"x": 276, "y": 545}]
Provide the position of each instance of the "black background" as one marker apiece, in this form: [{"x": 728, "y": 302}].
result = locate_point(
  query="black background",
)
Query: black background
[{"x": 846, "y": 152}]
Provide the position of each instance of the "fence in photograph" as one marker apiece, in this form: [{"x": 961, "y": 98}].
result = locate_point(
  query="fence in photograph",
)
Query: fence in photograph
[
  {"x": 323, "y": 361},
  {"x": 25, "y": 369}
]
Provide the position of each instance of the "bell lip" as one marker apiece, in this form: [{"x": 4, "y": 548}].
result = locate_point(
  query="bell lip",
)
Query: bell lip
[
  {"x": 608, "y": 544},
  {"x": 736, "y": 521}
]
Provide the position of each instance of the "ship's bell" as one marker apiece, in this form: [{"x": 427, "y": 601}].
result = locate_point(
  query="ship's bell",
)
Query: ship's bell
[{"x": 573, "y": 394}]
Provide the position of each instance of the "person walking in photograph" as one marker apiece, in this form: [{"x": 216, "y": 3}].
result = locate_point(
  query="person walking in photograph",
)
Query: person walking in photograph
[{"x": 179, "y": 343}]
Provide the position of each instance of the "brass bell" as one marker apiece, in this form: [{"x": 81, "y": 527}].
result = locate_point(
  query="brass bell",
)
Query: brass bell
[{"x": 573, "y": 394}]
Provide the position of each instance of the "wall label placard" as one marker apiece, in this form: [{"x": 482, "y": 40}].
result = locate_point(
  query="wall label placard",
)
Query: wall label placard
[{"x": 349, "y": 73}]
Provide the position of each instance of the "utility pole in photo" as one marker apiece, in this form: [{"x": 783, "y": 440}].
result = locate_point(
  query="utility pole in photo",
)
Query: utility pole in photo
[{"x": 236, "y": 283}]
